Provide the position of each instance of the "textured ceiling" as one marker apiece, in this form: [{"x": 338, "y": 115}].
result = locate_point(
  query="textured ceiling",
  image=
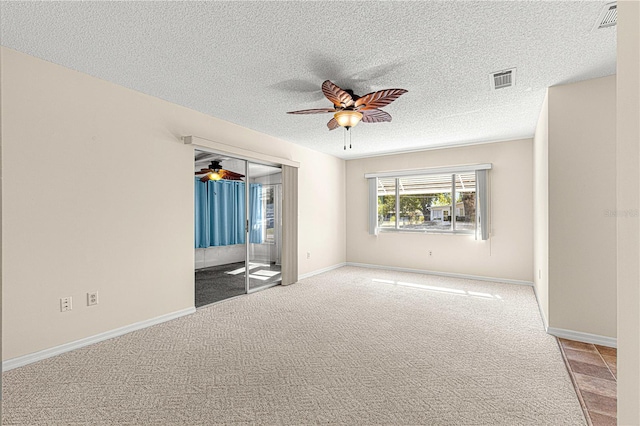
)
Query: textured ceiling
[{"x": 251, "y": 62}]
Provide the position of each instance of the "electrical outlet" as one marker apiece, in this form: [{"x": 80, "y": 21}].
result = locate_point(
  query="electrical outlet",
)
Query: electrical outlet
[
  {"x": 92, "y": 298},
  {"x": 308, "y": 255},
  {"x": 65, "y": 304},
  {"x": 430, "y": 253}
]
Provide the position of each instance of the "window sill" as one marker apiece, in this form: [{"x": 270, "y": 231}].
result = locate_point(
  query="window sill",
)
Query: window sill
[{"x": 422, "y": 231}]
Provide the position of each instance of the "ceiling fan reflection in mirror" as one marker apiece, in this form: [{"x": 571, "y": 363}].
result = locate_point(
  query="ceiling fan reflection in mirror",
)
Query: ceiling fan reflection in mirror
[
  {"x": 349, "y": 109},
  {"x": 216, "y": 172}
]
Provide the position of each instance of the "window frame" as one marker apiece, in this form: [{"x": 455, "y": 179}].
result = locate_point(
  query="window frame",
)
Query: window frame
[{"x": 481, "y": 200}]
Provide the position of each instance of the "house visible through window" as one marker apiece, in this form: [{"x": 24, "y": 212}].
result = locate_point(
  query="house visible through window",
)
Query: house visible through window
[{"x": 443, "y": 201}]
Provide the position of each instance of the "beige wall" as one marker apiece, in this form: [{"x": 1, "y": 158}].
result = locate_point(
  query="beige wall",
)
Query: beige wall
[
  {"x": 541, "y": 210},
  {"x": 321, "y": 211},
  {"x": 628, "y": 178},
  {"x": 83, "y": 210},
  {"x": 507, "y": 255},
  {"x": 1, "y": 256},
  {"x": 582, "y": 234}
]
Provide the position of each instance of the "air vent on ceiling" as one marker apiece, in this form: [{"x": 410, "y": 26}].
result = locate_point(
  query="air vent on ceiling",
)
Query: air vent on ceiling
[
  {"x": 502, "y": 79},
  {"x": 608, "y": 16}
]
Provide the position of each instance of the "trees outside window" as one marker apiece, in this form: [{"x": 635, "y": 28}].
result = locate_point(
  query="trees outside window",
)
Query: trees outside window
[{"x": 425, "y": 202}]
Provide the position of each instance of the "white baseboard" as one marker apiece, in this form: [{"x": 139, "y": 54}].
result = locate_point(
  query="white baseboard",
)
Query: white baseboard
[
  {"x": 67, "y": 347},
  {"x": 579, "y": 336},
  {"x": 442, "y": 274},
  {"x": 321, "y": 271}
]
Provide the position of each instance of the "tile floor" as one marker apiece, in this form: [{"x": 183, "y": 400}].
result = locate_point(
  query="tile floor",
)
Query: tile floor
[{"x": 593, "y": 371}]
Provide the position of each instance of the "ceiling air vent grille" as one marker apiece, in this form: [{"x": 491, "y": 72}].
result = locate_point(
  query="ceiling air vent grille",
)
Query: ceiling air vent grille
[
  {"x": 502, "y": 79},
  {"x": 608, "y": 17}
]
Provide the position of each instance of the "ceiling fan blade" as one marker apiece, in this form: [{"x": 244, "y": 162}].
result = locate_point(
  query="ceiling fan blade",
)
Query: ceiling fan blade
[
  {"x": 339, "y": 97},
  {"x": 204, "y": 178},
  {"x": 333, "y": 124},
  {"x": 203, "y": 171},
  {"x": 229, "y": 175},
  {"x": 378, "y": 99},
  {"x": 375, "y": 116},
  {"x": 313, "y": 111}
]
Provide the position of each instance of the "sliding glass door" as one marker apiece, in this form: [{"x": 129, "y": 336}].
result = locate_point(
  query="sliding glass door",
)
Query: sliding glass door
[
  {"x": 265, "y": 226},
  {"x": 220, "y": 228},
  {"x": 238, "y": 231}
]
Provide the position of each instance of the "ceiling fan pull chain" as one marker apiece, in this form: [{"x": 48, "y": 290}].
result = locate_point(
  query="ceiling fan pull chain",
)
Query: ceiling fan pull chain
[
  {"x": 349, "y": 139},
  {"x": 344, "y": 137}
]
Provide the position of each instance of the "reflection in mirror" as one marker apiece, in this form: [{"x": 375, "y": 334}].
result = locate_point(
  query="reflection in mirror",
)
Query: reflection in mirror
[
  {"x": 265, "y": 225},
  {"x": 220, "y": 250}
]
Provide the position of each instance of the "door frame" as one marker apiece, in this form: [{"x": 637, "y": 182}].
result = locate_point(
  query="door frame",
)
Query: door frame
[{"x": 247, "y": 289}]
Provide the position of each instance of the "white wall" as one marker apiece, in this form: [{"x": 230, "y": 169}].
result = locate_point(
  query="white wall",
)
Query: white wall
[
  {"x": 90, "y": 218},
  {"x": 222, "y": 255},
  {"x": 321, "y": 212},
  {"x": 507, "y": 255},
  {"x": 628, "y": 231},
  {"x": 581, "y": 182},
  {"x": 541, "y": 210},
  {"x": 574, "y": 202}
]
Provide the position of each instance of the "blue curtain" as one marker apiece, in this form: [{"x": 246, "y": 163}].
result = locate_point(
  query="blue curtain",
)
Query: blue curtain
[
  {"x": 202, "y": 213},
  {"x": 226, "y": 212},
  {"x": 220, "y": 213}
]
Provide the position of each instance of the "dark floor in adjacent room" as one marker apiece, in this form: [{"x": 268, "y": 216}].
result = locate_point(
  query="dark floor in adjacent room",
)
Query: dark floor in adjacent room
[
  {"x": 594, "y": 375},
  {"x": 221, "y": 282}
]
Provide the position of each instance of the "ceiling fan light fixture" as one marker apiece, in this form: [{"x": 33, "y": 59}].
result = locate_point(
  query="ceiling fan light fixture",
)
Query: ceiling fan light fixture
[
  {"x": 348, "y": 118},
  {"x": 214, "y": 176}
]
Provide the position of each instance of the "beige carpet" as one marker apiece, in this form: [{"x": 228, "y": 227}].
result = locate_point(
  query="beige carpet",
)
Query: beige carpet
[{"x": 351, "y": 346}]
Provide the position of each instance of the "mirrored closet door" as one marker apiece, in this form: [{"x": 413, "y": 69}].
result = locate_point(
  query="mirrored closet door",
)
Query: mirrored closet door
[
  {"x": 220, "y": 222},
  {"x": 265, "y": 226},
  {"x": 237, "y": 227}
]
